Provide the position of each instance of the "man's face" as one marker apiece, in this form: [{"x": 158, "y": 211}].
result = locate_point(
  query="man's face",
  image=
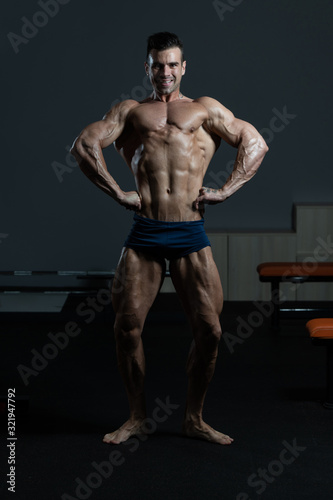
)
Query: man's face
[{"x": 165, "y": 69}]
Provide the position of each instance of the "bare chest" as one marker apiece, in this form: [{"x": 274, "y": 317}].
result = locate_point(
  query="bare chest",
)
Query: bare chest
[{"x": 160, "y": 118}]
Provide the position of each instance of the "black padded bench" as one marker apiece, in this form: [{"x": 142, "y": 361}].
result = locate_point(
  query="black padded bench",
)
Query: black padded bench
[
  {"x": 86, "y": 280},
  {"x": 26, "y": 286}
]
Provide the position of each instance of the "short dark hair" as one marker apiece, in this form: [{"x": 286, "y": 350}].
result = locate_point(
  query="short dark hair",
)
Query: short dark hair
[{"x": 164, "y": 40}]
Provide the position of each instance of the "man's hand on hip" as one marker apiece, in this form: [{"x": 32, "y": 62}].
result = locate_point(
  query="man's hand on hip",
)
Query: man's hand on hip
[
  {"x": 131, "y": 200},
  {"x": 208, "y": 196}
]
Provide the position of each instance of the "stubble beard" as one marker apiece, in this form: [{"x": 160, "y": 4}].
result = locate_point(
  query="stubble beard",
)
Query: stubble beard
[{"x": 167, "y": 91}]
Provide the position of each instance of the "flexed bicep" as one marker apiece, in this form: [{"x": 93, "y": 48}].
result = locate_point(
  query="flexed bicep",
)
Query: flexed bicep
[
  {"x": 88, "y": 146},
  {"x": 239, "y": 134},
  {"x": 223, "y": 123},
  {"x": 104, "y": 132}
]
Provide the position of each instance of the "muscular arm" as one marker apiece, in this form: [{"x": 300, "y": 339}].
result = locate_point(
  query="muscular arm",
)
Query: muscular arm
[
  {"x": 87, "y": 149},
  {"x": 240, "y": 134}
]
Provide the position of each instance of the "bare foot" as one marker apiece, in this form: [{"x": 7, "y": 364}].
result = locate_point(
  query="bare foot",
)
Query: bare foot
[
  {"x": 204, "y": 431},
  {"x": 128, "y": 429}
]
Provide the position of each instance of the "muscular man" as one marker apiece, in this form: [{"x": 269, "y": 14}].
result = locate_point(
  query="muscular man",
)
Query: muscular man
[{"x": 168, "y": 141}]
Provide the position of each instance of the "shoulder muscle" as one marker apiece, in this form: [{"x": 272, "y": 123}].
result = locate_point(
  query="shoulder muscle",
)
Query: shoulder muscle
[
  {"x": 223, "y": 122},
  {"x": 107, "y": 130}
]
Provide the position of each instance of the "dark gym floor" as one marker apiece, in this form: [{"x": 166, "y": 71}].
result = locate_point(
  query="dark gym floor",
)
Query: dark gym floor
[{"x": 267, "y": 394}]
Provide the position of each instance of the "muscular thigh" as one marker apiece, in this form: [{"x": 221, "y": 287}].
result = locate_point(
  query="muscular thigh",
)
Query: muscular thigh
[
  {"x": 137, "y": 281},
  {"x": 198, "y": 284}
]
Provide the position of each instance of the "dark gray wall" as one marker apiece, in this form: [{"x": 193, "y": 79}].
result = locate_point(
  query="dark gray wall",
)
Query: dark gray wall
[{"x": 259, "y": 58}]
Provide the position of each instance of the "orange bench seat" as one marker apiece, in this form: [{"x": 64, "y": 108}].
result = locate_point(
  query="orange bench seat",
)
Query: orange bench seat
[
  {"x": 320, "y": 328},
  {"x": 291, "y": 272},
  {"x": 321, "y": 333},
  {"x": 288, "y": 270}
]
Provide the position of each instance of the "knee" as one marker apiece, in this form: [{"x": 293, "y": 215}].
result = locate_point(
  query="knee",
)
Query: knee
[
  {"x": 209, "y": 332},
  {"x": 215, "y": 333},
  {"x": 128, "y": 329}
]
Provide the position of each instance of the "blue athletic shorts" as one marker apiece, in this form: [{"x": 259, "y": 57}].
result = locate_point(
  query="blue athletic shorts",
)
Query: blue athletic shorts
[{"x": 169, "y": 240}]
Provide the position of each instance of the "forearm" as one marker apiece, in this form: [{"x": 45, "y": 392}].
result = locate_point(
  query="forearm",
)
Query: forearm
[
  {"x": 91, "y": 161},
  {"x": 251, "y": 152}
]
